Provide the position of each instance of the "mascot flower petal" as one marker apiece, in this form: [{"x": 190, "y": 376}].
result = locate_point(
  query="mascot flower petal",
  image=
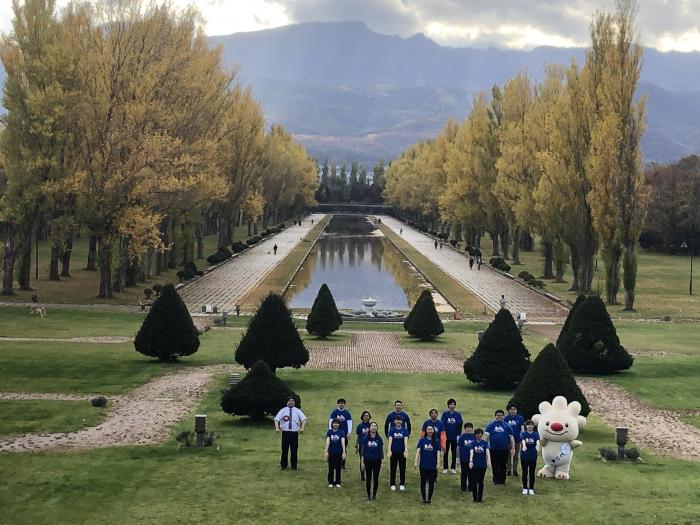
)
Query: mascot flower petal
[{"x": 558, "y": 425}]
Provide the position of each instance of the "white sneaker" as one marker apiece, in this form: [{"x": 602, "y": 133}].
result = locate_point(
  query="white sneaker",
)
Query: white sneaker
[
  {"x": 454, "y": 471},
  {"x": 393, "y": 487},
  {"x": 531, "y": 492},
  {"x": 444, "y": 471},
  {"x": 330, "y": 485},
  {"x": 401, "y": 487},
  {"x": 525, "y": 492},
  {"x": 338, "y": 486}
]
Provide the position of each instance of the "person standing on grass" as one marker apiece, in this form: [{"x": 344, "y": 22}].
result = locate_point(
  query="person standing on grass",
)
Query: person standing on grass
[
  {"x": 372, "y": 455},
  {"x": 529, "y": 445},
  {"x": 501, "y": 442},
  {"x": 291, "y": 422},
  {"x": 427, "y": 459},
  {"x": 398, "y": 411},
  {"x": 452, "y": 423},
  {"x": 398, "y": 452},
  {"x": 515, "y": 422},
  {"x": 360, "y": 433},
  {"x": 464, "y": 444},
  {"x": 334, "y": 453},
  {"x": 479, "y": 461},
  {"x": 343, "y": 415}
]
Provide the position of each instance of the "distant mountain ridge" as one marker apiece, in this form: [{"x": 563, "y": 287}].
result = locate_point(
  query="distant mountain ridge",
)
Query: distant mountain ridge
[{"x": 348, "y": 93}]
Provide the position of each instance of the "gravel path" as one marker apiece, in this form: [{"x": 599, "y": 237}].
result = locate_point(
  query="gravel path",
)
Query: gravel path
[
  {"x": 22, "y": 396},
  {"x": 91, "y": 339},
  {"x": 144, "y": 416},
  {"x": 661, "y": 430},
  {"x": 381, "y": 352}
]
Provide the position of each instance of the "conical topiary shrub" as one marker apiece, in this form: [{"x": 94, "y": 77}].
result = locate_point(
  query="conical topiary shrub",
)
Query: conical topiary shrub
[
  {"x": 425, "y": 323},
  {"x": 501, "y": 359},
  {"x": 409, "y": 317},
  {"x": 272, "y": 337},
  {"x": 324, "y": 318},
  {"x": 168, "y": 331},
  {"x": 565, "y": 329},
  {"x": 591, "y": 345},
  {"x": 547, "y": 377},
  {"x": 259, "y": 393}
]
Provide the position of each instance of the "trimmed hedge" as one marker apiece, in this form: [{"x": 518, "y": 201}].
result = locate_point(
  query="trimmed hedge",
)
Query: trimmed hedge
[
  {"x": 220, "y": 255},
  {"x": 500, "y": 264},
  {"x": 324, "y": 318},
  {"x": 425, "y": 323}
]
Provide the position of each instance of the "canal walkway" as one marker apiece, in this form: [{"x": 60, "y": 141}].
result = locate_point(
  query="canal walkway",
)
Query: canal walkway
[
  {"x": 486, "y": 284},
  {"x": 225, "y": 286}
]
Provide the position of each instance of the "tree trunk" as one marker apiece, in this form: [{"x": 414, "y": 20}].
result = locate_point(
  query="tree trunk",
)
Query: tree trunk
[
  {"x": 586, "y": 271},
  {"x": 92, "y": 254},
  {"x": 526, "y": 242},
  {"x": 612, "y": 256},
  {"x": 548, "y": 257},
  {"x": 8, "y": 265},
  {"x": 516, "y": 246},
  {"x": 159, "y": 262},
  {"x": 559, "y": 275},
  {"x": 24, "y": 263},
  {"x": 250, "y": 228},
  {"x": 132, "y": 272},
  {"x": 148, "y": 272},
  {"x": 505, "y": 241},
  {"x": 575, "y": 266},
  {"x": 187, "y": 243},
  {"x": 65, "y": 258},
  {"x": 225, "y": 230},
  {"x": 164, "y": 255},
  {"x": 53, "y": 265},
  {"x": 200, "y": 241},
  {"x": 104, "y": 257},
  {"x": 494, "y": 241},
  {"x": 629, "y": 266}
]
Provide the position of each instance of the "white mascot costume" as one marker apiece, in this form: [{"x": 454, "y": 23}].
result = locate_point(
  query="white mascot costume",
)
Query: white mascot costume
[{"x": 558, "y": 424}]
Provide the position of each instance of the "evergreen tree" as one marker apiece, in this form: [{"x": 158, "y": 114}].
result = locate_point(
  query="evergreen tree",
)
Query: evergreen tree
[
  {"x": 168, "y": 331},
  {"x": 591, "y": 344},
  {"x": 409, "y": 317},
  {"x": 501, "y": 359},
  {"x": 324, "y": 318},
  {"x": 259, "y": 393},
  {"x": 547, "y": 377},
  {"x": 272, "y": 337},
  {"x": 567, "y": 323},
  {"x": 425, "y": 323}
]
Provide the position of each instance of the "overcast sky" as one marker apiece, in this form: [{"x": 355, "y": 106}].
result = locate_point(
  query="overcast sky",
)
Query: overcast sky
[{"x": 664, "y": 24}]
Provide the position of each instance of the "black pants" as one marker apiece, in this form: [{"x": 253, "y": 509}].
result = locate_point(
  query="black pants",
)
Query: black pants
[
  {"x": 450, "y": 446},
  {"x": 528, "y": 466},
  {"x": 400, "y": 460},
  {"x": 498, "y": 465},
  {"x": 372, "y": 468},
  {"x": 465, "y": 478},
  {"x": 427, "y": 476},
  {"x": 335, "y": 462},
  {"x": 477, "y": 482},
  {"x": 290, "y": 442}
]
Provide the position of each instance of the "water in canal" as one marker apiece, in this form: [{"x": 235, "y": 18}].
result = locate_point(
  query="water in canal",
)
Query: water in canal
[{"x": 355, "y": 260}]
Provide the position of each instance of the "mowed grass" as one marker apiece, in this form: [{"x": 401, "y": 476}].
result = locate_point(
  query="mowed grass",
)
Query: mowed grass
[
  {"x": 678, "y": 338},
  {"x": 454, "y": 292},
  {"x": 240, "y": 482},
  {"x": 19, "y": 417}
]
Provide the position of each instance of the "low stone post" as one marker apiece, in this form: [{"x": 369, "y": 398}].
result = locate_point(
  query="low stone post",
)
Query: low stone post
[
  {"x": 200, "y": 428},
  {"x": 621, "y": 436}
]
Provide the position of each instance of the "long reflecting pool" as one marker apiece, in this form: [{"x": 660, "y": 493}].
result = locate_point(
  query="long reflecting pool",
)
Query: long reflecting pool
[{"x": 355, "y": 260}]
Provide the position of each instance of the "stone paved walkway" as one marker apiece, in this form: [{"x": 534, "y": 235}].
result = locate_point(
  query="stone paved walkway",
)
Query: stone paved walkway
[
  {"x": 381, "y": 352},
  {"x": 486, "y": 284},
  {"x": 229, "y": 283}
]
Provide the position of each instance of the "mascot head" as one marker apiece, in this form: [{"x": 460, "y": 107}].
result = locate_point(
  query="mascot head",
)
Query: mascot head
[{"x": 559, "y": 421}]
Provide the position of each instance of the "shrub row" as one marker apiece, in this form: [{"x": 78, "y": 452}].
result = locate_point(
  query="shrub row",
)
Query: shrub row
[
  {"x": 471, "y": 250},
  {"x": 530, "y": 279},
  {"x": 190, "y": 271},
  {"x": 499, "y": 264},
  {"x": 224, "y": 253}
]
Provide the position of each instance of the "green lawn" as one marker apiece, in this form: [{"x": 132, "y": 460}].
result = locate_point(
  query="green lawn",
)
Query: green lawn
[
  {"x": 240, "y": 482},
  {"x": 19, "y": 417},
  {"x": 680, "y": 338},
  {"x": 693, "y": 420}
]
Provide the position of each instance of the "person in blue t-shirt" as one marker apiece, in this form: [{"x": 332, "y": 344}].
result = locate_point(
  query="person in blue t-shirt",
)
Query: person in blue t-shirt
[
  {"x": 398, "y": 411},
  {"x": 438, "y": 427},
  {"x": 427, "y": 459},
  {"x": 372, "y": 455},
  {"x": 529, "y": 445},
  {"x": 515, "y": 422},
  {"x": 452, "y": 423},
  {"x": 464, "y": 444},
  {"x": 479, "y": 461},
  {"x": 398, "y": 452},
  {"x": 361, "y": 432},
  {"x": 501, "y": 442},
  {"x": 342, "y": 414},
  {"x": 334, "y": 453}
]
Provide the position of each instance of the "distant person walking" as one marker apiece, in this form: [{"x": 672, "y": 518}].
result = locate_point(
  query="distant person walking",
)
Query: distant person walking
[
  {"x": 291, "y": 422},
  {"x": 478, "y": 262},
  {"x": 471, "y": 263},
  {"x": 274, "y": 249},
  {"x": 436, "y": 245},
  {"x": 400, "y": 231},
  {"x": 503, "y": 302}
]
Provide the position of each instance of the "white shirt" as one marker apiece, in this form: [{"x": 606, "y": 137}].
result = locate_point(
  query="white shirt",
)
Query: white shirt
[{"x": 290, "y": 419}]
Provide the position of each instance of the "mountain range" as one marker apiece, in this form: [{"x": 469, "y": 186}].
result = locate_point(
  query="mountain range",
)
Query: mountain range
[{"x": 349, "y": 93}]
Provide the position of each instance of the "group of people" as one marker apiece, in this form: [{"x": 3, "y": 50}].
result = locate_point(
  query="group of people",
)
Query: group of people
[{"x": 442, "y": 440}]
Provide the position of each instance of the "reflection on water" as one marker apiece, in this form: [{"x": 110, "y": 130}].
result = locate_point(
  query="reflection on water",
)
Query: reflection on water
[{"x": 355, "y": 260}]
